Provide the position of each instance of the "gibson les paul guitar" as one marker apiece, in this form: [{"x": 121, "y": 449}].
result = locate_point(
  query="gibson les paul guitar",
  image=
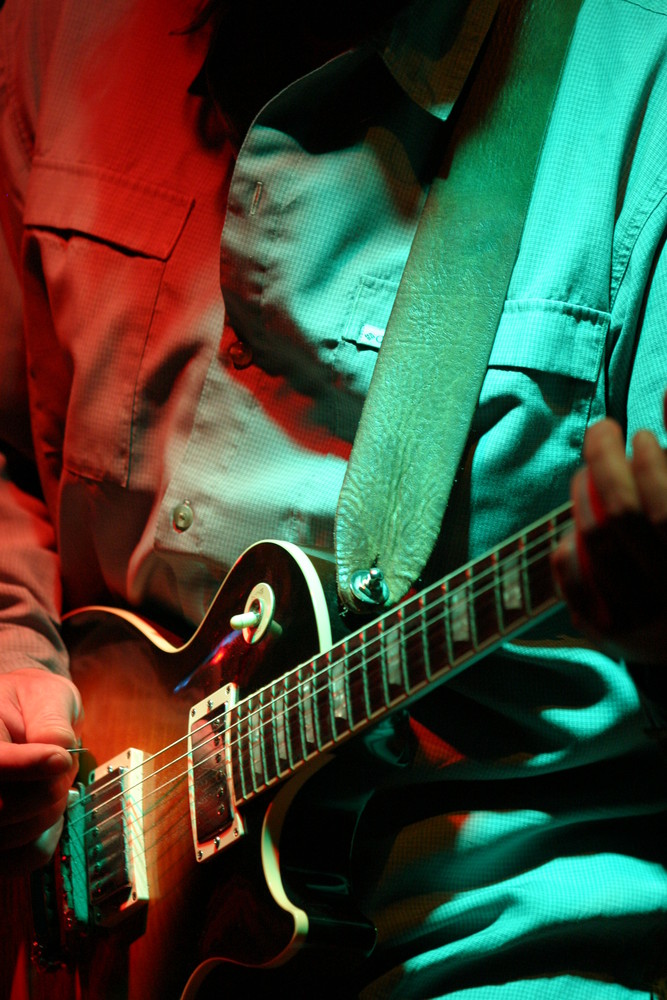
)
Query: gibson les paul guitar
[{"x": 177, "y": 852}]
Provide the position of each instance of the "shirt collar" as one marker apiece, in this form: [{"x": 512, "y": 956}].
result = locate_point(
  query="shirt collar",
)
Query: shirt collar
[{"x": 432, "y": 47}]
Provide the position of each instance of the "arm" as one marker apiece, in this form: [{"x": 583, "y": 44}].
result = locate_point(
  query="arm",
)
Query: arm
[{"x": 40, "y": 710}]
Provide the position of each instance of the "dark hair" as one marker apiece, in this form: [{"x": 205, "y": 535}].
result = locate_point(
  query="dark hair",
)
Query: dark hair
[
  {"x": 288, "y": 36},
  {"x": 209, "y": 10},
  {"x": 354, "y": 18}
]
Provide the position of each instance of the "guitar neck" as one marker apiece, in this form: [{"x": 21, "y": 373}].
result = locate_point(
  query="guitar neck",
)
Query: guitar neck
[{"x": 395, "y": 658}]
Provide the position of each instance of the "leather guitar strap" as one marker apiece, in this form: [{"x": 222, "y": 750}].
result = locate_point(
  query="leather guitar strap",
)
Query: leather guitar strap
[{"x": 436, "y": 348}]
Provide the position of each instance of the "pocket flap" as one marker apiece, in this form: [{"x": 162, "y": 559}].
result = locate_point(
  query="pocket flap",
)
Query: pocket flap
[
  {"x": 550, "y": 336},
  {"x": 105, "y": 205}
]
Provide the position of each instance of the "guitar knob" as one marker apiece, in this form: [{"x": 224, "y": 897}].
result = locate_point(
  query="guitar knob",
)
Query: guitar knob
[
  {"x": 257, "y": 617},
  {"x": 249, "y": 619}
]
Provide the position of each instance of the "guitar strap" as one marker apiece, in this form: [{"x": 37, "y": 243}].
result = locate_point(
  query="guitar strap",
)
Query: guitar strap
[{"x": 436, "y": 348}]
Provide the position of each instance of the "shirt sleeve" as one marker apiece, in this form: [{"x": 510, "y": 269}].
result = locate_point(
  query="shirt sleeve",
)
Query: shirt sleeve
[
  {"x": 29, "y": 568},
  {"x": 648, "y": 383},
  {"x": 29, "y": 575},
  {"x": 648, "y": 379}
]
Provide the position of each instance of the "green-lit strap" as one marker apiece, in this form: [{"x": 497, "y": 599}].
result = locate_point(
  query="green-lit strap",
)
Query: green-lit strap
[{"x": 436, "y": 348}]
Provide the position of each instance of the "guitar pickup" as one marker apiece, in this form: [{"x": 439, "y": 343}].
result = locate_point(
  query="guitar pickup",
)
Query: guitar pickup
[
  {"x": 113, "y": 839},
  {"x": 97, "y": 877},
  {"x": 215, "y": 823}
]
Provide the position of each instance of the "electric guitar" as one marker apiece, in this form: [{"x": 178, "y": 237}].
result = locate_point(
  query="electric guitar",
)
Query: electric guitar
[{"x": 192, "y": 840}]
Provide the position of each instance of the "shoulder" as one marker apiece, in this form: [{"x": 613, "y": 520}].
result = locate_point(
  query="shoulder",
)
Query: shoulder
[{"x": 64, "y": 48}]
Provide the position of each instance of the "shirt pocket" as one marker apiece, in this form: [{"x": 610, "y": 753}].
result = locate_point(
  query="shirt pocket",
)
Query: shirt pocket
[
  {"x": 99, "y": 243},
  {"x": 359, "y": 346},
  {"x": 551, "y": 337}
]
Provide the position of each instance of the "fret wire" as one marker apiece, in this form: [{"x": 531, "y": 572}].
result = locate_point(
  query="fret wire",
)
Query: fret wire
[
  {"x": 525, "y": 582},
  {"x": 242, "y": 757},
  {"x": 253, "y": 723},
  {"x": 331, "y": 695},
  {"x": 395, "y": 701},
  {"x": 273, "y": 722},
  {"x": 400, "y": 644},
  {"x": 380, "y": 653},
  {"x": 258, "y": 749},
  {"x": 489, "y": 621},
  {"x": 317, "y": 728},
  {"x": 470, "y": 606},
  {"x": 447, "y": 622},
  {"x": 413, "y": 644},
  {"x": 364, "y": 674},
  {"x": 553, "y": 523},
  {"x": 349, "y": 697},
  {"x": 248, "y": 746},
  {"x": 541, "y": 557},
  {"x": 277, "y": 721},
  {"x": 426, "y": 651},
  {"x": 287, "y": 719},
  {"x": 377, "y": 672},
  {"x": 285, "y": 723},
  {"x": 500, "y": 618},
  {"x": 264, "y": 731},
  {"x": 557, "y": 521},
  {"x": 302, "y": 725},
  {"x": 383, "y": 663}
]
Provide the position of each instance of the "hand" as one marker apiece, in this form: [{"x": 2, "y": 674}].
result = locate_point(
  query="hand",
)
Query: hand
[
  {"x": 612, "y": 569},
  {"x": 40, "y": 716}
]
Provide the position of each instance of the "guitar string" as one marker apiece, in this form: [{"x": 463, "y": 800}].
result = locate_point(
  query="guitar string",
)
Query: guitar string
[
  {"x": 312, "y": 695},
  {"x": 259, "y": 725},
  {"x": 312, "y": 679},
  {"x": 518, "y": 558}
]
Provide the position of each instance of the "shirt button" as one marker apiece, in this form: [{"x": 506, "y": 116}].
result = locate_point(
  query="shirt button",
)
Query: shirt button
[
  {"x": 240, "y": 354},
  {"x": 182, "y": 516}
]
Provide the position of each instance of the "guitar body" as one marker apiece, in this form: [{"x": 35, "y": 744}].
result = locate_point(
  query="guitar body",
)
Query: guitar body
[
  {"x": 213, "y": 833},
  {"x": 224, "y": 908}
]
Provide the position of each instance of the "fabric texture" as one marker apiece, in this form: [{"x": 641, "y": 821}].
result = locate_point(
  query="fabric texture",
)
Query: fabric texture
[
  {"x": 448, "y": 305},
  {"x": 173, "y": 426}
]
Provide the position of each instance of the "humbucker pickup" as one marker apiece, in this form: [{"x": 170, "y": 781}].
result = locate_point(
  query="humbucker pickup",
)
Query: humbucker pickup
[
  {"x": 215, "y": 822},
  {"x": 98, "y": 876}
]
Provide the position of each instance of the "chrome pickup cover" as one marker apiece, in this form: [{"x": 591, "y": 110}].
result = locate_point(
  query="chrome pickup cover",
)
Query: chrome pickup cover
[
  {"x": 215, "y": 823},
  {"x": 113, "y": 837}
]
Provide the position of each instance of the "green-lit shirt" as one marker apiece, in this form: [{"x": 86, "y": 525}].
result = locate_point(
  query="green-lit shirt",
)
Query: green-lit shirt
[{"x": 162, "y": 457}]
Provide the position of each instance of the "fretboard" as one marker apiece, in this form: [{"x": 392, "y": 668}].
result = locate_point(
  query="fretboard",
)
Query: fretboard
[{"x": 396, "y": 658}]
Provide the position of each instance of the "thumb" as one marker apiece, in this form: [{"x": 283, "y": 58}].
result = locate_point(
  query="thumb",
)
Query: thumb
[{"x": 54, "y": 716}]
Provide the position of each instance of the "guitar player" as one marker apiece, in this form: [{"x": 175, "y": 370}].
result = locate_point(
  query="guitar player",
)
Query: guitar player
[{"x": 206, "y": 214}]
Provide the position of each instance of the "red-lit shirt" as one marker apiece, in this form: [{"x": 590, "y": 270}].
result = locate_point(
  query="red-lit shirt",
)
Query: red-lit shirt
[{"x": 162, "y": 454}]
